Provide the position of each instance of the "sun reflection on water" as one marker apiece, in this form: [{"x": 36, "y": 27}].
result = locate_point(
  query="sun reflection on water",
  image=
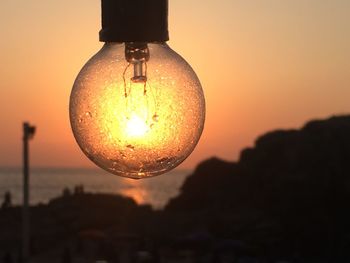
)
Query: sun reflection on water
[{"x": 137, "y": 192}]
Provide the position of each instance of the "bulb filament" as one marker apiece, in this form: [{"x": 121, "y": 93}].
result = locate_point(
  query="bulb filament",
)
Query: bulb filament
[{"x": 141, "y": 108}]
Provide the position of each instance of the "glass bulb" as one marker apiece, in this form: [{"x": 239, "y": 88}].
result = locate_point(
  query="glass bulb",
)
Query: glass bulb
[{"x": 137, "y": 109}]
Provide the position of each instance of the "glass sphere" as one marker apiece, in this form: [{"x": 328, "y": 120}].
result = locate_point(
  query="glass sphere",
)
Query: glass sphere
[{"x": 137, "y": 119}]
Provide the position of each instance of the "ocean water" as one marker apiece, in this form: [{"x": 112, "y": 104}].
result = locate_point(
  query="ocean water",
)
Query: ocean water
[{"x": 47, "y": 183}]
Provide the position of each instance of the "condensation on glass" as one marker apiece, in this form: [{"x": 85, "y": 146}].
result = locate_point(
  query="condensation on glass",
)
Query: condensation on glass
[{"x": 137, "y": 110}]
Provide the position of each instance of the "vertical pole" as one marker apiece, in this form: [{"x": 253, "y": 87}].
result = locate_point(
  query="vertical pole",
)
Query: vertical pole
[{"x": 28, "y": 132}]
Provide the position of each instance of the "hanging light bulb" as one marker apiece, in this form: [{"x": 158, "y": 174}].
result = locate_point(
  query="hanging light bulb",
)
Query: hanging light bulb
[{"x": 137, "y": 108}]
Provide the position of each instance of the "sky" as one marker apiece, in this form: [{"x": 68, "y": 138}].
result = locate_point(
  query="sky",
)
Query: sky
[{"x": 263, "y": 65}]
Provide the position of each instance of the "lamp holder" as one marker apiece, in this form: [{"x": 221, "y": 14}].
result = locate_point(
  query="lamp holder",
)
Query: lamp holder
[{"x": 134, "y": 21}]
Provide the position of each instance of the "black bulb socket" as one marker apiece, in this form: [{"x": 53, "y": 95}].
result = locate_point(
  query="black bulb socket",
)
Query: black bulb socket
[{"x": 134, "y": 21}]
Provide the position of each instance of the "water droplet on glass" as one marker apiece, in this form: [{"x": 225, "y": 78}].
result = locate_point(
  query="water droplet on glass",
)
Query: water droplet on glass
[
  {"x": 162, "y": 160},
  {"x": 155, "y": 117},
  {"x": 131, "y": 147}
]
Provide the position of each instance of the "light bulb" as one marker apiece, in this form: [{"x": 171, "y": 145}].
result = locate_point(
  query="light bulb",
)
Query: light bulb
[{"x": 137, "y": 109}]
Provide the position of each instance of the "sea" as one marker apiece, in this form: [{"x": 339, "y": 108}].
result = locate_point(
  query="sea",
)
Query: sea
[{"x": 48, "y": 183}]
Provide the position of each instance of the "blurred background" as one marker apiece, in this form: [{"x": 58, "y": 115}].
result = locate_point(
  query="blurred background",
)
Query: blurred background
[
  {"x": 269, "y": 195},
  {"x": 263, "y": 65}
]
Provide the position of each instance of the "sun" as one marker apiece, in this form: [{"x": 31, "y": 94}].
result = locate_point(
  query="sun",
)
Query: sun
[{"x": 136, "y": 126}]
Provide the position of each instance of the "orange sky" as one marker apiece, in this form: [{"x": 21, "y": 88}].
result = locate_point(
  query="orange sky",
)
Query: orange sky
[{"x": 263, "y": 65}]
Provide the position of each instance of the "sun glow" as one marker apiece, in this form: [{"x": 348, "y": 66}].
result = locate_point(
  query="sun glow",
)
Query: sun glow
[{"x": 136, "y": 127}]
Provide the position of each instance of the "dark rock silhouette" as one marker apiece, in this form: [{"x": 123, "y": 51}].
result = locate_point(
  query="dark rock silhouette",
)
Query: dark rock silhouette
[
  {"x": 7, "y": 258},
  {"x": 287, "y": 198},
  {"x": 292, "y": 191},
  {"x": 66, "y": 256}
]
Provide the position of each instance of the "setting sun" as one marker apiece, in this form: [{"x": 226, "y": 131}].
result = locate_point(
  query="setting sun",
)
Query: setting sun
[
  {"x": 136, "y": 126},
  {"x": 267, "y": 64},
  {"x": 242, "y": 107},
  {"x": 135, "y": 123}
]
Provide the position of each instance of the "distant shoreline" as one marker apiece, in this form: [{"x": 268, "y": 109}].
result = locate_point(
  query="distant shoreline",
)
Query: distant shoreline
[{"x": 48, "y": 183}]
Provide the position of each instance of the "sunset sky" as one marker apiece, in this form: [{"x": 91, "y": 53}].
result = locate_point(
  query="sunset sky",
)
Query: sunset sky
[{"x": 263, "y": 65}]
